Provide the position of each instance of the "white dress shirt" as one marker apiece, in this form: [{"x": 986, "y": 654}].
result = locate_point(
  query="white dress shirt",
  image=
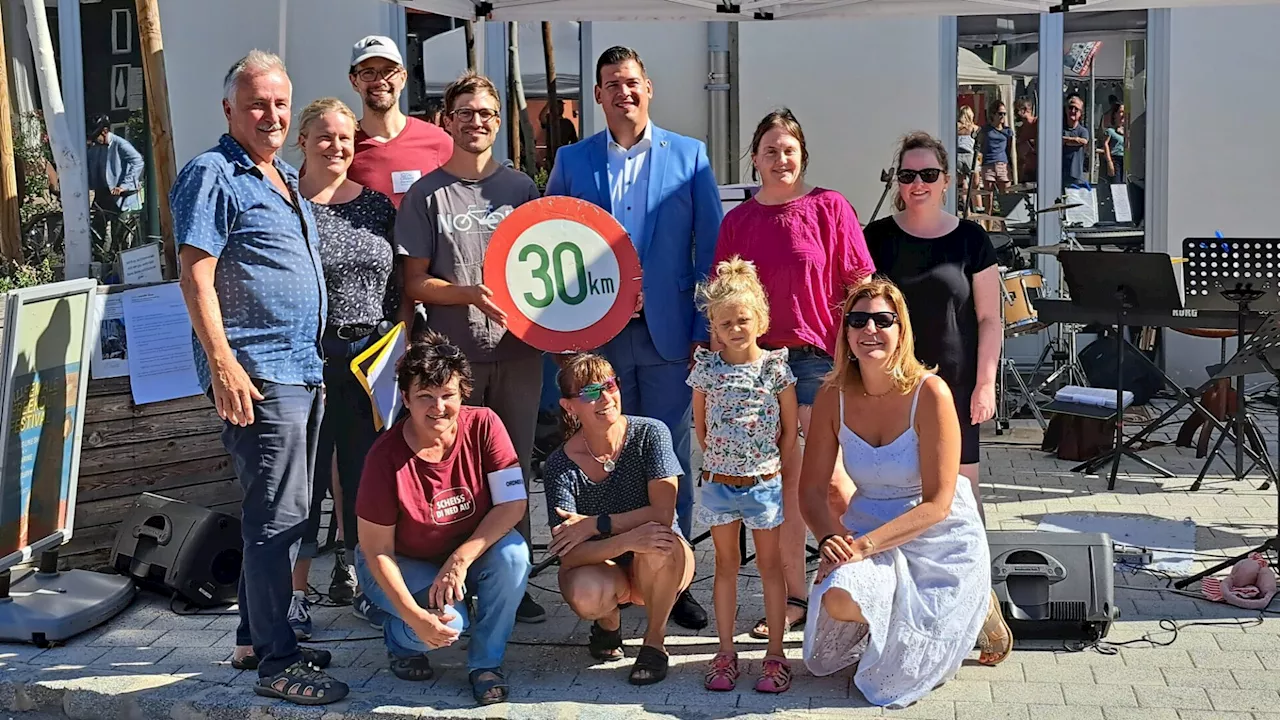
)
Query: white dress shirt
[{"x": 629, "y": 183}]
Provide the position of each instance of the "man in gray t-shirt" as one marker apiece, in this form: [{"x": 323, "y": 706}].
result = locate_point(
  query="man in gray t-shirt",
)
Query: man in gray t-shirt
[{"x": 442, "y": 233}]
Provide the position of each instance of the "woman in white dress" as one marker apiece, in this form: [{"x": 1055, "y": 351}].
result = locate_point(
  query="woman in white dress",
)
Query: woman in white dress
[{"x": 904, "y": 588}]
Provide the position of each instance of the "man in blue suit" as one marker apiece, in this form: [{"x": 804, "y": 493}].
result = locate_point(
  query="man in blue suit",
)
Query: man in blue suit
[{"x": 659, "y": 185}]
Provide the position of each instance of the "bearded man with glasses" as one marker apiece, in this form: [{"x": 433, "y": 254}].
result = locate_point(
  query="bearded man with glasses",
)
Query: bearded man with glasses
[
  {"x": 392, "y": 150},
  {"x": 442, "y": 233}
]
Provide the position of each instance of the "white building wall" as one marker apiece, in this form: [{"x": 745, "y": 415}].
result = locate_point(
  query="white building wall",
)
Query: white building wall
[
  {"x": 203, "y": 39},
  {"x": 856, "y": 86},
  {"x": 1223, "y": 155}
]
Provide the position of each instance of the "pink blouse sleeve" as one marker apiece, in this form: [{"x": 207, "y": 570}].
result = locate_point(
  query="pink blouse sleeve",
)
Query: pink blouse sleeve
[{"x": 852, "y": 249}]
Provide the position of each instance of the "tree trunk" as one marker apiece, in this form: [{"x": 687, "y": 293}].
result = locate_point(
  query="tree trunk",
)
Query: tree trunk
[
  {"x": 553, "y": 104},
  {"x": 159, "y": 124},
  {"x": 10, "y": 202},
  {"x": 469, "y": 32},
  {"x": 521, "y": 126},
  {"x": 513, "y": 91},
  {"x": 68, "y": 152}
]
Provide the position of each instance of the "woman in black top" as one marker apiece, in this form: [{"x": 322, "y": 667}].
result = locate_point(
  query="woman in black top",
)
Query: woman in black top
[
  {"x": 353, "y": 228},
  {"x": 946, "y": 268}
]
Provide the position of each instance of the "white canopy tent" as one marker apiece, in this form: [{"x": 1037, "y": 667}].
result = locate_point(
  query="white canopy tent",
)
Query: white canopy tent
[{"x": 764, "y": 10}]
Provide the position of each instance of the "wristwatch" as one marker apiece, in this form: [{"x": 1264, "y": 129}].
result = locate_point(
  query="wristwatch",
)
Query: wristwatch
[{"x": 604, "y": 524}]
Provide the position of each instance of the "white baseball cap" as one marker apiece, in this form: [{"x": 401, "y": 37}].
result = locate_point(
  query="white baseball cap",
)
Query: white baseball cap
[{"x": 375, "y": 46}]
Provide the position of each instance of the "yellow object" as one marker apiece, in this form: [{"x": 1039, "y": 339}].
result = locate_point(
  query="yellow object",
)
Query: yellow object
[{"x": 375, "y": 368}]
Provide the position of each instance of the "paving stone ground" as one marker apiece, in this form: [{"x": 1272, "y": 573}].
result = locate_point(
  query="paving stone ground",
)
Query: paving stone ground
[{"x": 151, "y": 663}]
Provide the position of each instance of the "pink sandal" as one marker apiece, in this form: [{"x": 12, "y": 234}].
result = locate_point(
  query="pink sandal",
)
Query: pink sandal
[
  {"x": 776, "y": 677},
  {"x": 722, "y": 675}
]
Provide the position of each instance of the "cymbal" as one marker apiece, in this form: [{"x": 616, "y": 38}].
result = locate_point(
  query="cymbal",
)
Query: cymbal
[
  {"x": 979, "y": 217},
  {"x": 1059, "y": 207}
]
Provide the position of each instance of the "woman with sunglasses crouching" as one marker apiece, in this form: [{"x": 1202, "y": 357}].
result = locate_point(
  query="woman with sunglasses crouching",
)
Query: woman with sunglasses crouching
[
  {"x": 904, "y": 586},
  {"x": 437, "y": 507},
  {"x": 611, "y": 500},
  {"x": 946, "y": 269}
]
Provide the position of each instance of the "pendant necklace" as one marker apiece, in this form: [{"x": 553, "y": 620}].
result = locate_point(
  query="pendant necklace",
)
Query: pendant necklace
[{"x": 607, "y": 463}]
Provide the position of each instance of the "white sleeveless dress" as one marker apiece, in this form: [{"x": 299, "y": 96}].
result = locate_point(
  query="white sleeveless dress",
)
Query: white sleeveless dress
[{"x": 925, "y": 601}]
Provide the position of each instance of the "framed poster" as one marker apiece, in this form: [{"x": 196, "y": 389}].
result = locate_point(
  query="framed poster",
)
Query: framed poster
[{"x": 49, "y": 335}]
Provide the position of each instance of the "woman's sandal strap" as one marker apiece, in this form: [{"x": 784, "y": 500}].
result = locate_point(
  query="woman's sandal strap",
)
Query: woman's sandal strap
[
  {"x": 801, "y": 603},
  {"x": 480, "y": 689},
  {"x": 651, "y": 666}
]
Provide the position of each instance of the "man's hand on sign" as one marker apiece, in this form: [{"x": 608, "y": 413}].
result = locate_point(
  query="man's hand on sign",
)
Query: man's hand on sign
[
  {"x": 233, "y": 391},
  {"x": 482, "y": 298},
  {"x": 639, "y": 305}
]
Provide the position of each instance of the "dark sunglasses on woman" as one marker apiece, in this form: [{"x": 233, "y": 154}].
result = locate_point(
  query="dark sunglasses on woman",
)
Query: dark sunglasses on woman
[
  {"x": 592, "y": 392},
  {"x": 858, "y": 319},
  {"x": 929, "y": 175}
]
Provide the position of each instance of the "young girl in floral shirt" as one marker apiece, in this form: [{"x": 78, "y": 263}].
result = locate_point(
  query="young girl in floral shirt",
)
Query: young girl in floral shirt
[{"x": 746, "y": 418}]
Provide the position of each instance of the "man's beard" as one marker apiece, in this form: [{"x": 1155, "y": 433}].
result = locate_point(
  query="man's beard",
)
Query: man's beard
[{"x": 380, "y": 103}]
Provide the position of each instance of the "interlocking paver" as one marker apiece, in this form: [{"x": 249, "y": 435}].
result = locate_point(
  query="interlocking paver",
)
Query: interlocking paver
[
  {"x": 1200, "y": 678},
  {"x": 1062, "y": 712},
  {"x": 1172, "y": 697},
  {"x": 1242, "y": 700},
  {"x": 1143, "y": 714},
  {"x": 1101, "y": 695},
  {"x": 991, "y": 711}
]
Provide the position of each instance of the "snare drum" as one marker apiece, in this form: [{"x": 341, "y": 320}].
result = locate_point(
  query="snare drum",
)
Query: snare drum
[{"x": 1021, "y": 290}]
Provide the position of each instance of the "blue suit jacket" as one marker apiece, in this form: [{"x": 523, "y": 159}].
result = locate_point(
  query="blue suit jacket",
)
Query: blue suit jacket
[
  {"x": 121, "y": 166},
  {"x": 681, "y": 226}
]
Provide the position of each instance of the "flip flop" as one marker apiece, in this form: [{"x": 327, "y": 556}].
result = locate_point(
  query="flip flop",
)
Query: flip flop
[
  {"x": 761, "y": 630},
  {"x": 480, "y": 689},
  {"x": 651, "y": 666}
]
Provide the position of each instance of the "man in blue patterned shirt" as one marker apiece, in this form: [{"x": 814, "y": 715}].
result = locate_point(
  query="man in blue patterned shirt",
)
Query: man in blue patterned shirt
[{"x": 253, "y": 285}]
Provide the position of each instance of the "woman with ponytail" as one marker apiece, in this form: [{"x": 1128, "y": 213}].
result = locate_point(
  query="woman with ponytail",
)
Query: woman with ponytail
[{"x": 611, "y": 502}]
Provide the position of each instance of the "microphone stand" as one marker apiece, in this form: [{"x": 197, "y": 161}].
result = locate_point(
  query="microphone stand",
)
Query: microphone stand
[{"x": 886, "y": 177}]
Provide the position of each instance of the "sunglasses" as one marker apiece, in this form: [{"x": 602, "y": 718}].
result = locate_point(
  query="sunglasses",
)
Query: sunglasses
[
  {"x": 448, "y": 352},
  {"x": 466, "y": 115},
  {"x": 592, "y": 392},
  {"x": 858, "y": 319},
  {"x": 929, "y": 175}
]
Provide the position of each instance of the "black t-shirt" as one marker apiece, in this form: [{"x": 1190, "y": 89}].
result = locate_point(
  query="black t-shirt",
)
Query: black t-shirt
[{"x": 936, "y": 277}]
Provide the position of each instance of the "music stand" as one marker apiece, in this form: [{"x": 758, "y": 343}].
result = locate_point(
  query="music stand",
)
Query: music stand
[
  {"x": 1119, "y": 283},
  {"x": 1237, "y": 275},
  {"x": 1260, "y": 354}
]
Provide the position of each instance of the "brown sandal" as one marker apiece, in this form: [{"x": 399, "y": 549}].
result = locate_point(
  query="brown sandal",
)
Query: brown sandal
[
  {"x": 995, "y": 640},
  {"x": 761, "y": 630}
]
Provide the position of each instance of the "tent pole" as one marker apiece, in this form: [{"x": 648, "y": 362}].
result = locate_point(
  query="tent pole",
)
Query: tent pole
[{"x": 718, "y": 85}]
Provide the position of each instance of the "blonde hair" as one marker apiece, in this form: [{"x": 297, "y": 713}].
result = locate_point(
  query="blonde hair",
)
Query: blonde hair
[
  {"x": 966, "y": 123},
  {"x": 735, "y": 282},
  {"x": 318, "y": 109},
  {"x": 904, "y": 369},
  {"x": 576, "y": 373}
]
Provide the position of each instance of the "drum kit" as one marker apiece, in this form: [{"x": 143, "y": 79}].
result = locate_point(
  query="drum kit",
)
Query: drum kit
[{"x": 1021, "y": 285}]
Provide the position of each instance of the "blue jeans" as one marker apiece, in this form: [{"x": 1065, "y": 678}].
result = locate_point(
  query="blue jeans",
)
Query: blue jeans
[
  {"x": 274, "y": 459},
  {"x": 655, "y": 388},
  {"x": 810, "y": 366},
  {"x": 497, "y": 579}
]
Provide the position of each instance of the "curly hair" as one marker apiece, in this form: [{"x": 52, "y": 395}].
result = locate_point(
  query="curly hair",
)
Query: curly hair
[{"x": 431, "y": 360}]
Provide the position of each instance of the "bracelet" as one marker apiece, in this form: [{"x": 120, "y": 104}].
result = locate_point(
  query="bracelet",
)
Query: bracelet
[{"x": 871, "y": 544}]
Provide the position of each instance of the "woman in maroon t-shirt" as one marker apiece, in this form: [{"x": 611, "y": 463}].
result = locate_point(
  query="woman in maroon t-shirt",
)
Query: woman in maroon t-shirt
[
  {"x": 437, "y": 508},
  {"x": 808, "y": 249}
]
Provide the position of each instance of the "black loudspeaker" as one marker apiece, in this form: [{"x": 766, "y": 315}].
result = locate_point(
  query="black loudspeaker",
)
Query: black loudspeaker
[
  {"x": 1054, "y": 586},
  {"x": 175, "y": 547}
]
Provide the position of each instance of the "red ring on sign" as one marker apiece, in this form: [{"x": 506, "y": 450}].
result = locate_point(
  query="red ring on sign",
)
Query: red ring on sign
[{"x": 584, "y": 213}]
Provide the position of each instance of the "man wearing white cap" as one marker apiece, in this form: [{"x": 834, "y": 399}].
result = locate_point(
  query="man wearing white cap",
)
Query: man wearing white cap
[{"x": 392, "y": 150}]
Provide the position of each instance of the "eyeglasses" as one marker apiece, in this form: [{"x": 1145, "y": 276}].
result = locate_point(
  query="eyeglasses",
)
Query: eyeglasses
[
  {"x": 929, "y": 175},
  {"x": 592, "y": 392},
  {"x": 467, "y": 114},
  {"x": 858, "y": 319},
  {"x": 369, "y": 75}
]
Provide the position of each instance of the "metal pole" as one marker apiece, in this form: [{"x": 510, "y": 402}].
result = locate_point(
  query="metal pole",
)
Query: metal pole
[{"x": 718, "y": 84}]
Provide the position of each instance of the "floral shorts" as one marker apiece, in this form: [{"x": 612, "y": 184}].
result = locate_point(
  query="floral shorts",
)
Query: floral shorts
[{"x": 759, "y": 507}]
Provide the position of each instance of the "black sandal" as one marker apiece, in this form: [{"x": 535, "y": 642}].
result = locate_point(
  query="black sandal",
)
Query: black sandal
[
  {"x": 761, "y": 630},
  {"x": 302, "y": 684},
  {"x": 319, "y": 659},
  {"x": 413, "y": 669},
  {"x": 651, "y": 666},
  {"x": 604, "y": 644},
  {"x": 480, "y": 689}
]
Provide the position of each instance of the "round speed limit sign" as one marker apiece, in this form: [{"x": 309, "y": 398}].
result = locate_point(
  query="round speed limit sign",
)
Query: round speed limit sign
[{"x": 565, "y": 272}]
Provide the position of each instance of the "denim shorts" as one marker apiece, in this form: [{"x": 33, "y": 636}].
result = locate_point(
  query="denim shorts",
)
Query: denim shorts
[
  {"x": 810, "y": 366},
  {"x": 759, "y": 507}
]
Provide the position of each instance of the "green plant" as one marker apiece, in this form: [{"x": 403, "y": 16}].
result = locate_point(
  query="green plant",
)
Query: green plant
[
  {"x": 541, "y": 177},
  {"x": 32, "y": 153},
  {"x": 15, "y": 275},
  {"x": 136, "y": 131}
]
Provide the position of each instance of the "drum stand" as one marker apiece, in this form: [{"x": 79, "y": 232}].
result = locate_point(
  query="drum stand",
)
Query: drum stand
[
  {"x": 1061, "y": 349},
  {"x": 1007, "y": 368}
]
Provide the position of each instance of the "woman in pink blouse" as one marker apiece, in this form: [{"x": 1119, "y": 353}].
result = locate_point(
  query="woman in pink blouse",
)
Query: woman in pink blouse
[{"x": 808, "y": 249}]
